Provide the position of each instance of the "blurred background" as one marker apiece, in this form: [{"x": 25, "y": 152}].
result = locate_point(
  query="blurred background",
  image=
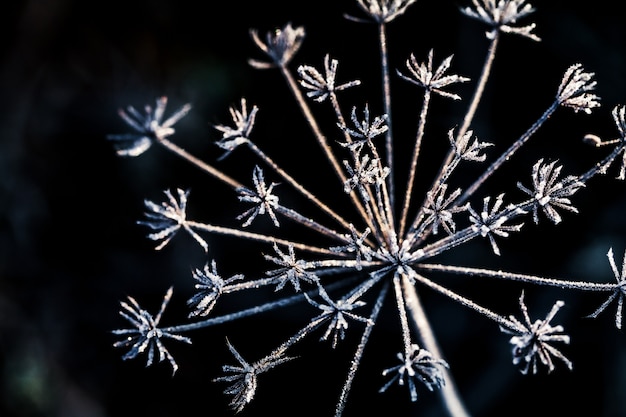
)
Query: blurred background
[{"x": 70, "y": 248}]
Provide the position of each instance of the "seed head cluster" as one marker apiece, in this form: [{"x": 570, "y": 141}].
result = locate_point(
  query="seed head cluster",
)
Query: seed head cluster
[{"x": 384, "y": 240}]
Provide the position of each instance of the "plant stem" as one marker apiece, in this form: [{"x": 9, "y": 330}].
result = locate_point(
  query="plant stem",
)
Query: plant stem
[{"x": 417, "y": 316}]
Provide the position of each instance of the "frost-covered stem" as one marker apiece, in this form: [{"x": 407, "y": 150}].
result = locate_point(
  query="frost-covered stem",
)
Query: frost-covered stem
[
  {"x": 280, "y": 350},
  {"x": 508, "y": 153},
  {"x": 283, "y": 302},
  {"x": 478, "y": 93},
  {"x": 503, "y": 321},
  {"x": 400, "y": 304},
  {"x": 199, "y": 163},
  {"x": 319, "y": 136},
  {"x": 340, "y": 119},
  {"x": 416, "y": 151},
  {"x": 356, "y": 361},
  {"x": 417, "y": 236},
  {"x": 585, "y": 286},
  {"x": 384, "y": 202},
  {"x": 359, "y": 291},
  {"x": 296, "y": 184},
  {"x": 384, "y": 64},
  {"x": 374, "y": 206},
  {"x": 601, "y": 167},
  {"x": 449, "y": 242},
  {"x": 449, "y": 394},
  {"x": 342, "y": 122},
  {"x": 480, "y": 87},
  {"x": 310, "y": 223},
  {"x": 256, "y": 237}
]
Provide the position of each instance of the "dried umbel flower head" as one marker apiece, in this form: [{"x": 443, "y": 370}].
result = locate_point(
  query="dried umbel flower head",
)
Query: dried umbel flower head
[
  {"x": 369, "y": 244},
  {"x": 533, "y": 341}
]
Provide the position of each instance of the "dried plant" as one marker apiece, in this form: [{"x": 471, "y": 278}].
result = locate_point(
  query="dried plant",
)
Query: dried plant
[{"x": 389, "y": 247}]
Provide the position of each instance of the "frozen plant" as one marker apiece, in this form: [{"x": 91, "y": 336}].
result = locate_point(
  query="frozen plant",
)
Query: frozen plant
[{"x": 383, "y": 241}]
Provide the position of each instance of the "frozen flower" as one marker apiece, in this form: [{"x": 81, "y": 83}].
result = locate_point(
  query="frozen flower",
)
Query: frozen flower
[
  {"x": 336, "y": 312},
  {"x": 501, "y": 15},
  {"x": 291, "y": 270},
  {"x": 550, "y": 192},
  {"x": 322, "y": 86},
  {"x": 369, "y": 230},
  {"x": 168, "y": 217},
  {"x": 439, "y": 210},
  {"x": 146, "y": 334},
  {"x": 491, "y": 222},
  {"x": 366, "y": 172},
  {"x": 533, "y": 341},
  {"x": 466, "y": 150},
  {"x": 261, "y": 197},
  {"x": 619, "y": 292},
  {"x": 417, "y": 365},
  {"x": 244, "y": 377},
  {"x": 364, "y": 131},
  {"x": 383, "y": 11},
  {"x": 356, "y": 245},
  {"x": 148, "y": 127},
  {"x": 422, "y": 75},
  {"x": 233, "y": 137},
  {"x": 209, "y": 286},
  {"x": 574, "y": 90},
  {"x": 280, "y": 46}
]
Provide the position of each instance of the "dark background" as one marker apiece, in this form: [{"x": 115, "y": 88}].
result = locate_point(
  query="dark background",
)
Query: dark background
[{"x": 70, "y": 248}]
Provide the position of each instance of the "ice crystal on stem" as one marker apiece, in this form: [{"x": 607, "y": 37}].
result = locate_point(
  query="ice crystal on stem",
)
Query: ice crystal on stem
[{"x": 355, "y": 250}]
